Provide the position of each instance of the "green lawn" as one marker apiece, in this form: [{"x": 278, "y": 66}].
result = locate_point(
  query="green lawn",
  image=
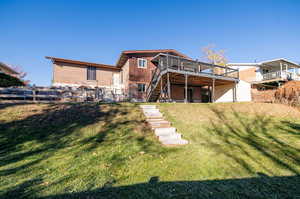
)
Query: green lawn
[{"x": 241, "y": 150}]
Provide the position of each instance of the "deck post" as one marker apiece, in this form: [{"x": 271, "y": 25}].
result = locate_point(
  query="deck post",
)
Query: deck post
[
  {"x": 161, "y": 89},
  {"x": 234, "y": 93},
  {"x": 169, "y": 87},
  {"x": 280, "y": 70},
  {"x": 213, "y": 91},
  {"x": 185, "y": 97}
]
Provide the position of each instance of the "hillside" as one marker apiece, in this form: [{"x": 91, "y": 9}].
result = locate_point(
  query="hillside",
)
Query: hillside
[{"x": 241, "y": 150}]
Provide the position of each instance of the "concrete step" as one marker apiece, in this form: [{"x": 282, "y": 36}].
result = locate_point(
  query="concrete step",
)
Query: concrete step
[
  {"x": 161, "y": 121},
  {"x": 155, "y": 120},
  {"x": 148, "y": 106},
  {"x": 166, "y": 134},
  {"x": 164, "y": 131},
  {"x": 155, "y": 125},
  {"x": 175, "y": 142},
  {"x": 151, "y": 111},
  {"x": 169, "y": 137},
  {"x": 153, "y": 115}
]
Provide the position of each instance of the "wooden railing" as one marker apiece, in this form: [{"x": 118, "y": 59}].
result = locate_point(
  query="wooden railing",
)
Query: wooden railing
[{"x": 46, "y": 94}]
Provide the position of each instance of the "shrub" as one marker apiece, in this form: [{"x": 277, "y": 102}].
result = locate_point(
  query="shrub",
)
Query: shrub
[{"x": 7, "y": 81}]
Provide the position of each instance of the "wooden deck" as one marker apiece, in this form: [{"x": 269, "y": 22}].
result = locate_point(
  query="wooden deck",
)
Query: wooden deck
[{"x": 177, "y": 70}]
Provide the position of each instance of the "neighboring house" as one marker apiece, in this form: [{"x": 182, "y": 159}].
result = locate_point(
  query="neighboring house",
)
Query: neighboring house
[
  {"x": 152, "y": 75},
  {"x": 265, "y": 77},
  {"x": 4, "y": 68},
  {"x": 272, "y": 72}
]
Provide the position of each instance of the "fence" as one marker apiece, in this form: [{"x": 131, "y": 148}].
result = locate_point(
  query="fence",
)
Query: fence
[{"x": 45, "y": 94}]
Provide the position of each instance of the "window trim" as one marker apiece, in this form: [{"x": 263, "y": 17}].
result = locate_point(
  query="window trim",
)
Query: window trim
[{"x": 138, "y": 63}]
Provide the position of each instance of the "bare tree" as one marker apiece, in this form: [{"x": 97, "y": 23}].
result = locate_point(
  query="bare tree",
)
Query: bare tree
[
  {"x": 21, "y": 74},
  {"x": 214, "y": 56},
  {"x": 20, "y": 71}
]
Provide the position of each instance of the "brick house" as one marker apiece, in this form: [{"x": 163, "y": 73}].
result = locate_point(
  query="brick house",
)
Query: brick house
[
  {"x": 131, "y": 74},
  {"x": 154, "y": 75}
]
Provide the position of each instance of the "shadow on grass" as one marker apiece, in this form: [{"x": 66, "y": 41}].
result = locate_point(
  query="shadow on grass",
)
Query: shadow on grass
[
  {"x": 255, "y": 142},
  {"x": 46, "y": 130},
  {"x": 262, "y": 186},
  {"x": 27, "y": 142}
]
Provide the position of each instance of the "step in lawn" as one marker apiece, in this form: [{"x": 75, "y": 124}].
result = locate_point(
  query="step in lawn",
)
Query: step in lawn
[{"x": 166, "y": 134}]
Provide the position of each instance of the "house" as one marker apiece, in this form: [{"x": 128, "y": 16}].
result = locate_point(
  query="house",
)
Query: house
[
  {"x": 272, "y": 72},
  {"x": 4, "y": 68},
  {"x": 267, "y": 76},
  {"x": 155, "y": 75}
]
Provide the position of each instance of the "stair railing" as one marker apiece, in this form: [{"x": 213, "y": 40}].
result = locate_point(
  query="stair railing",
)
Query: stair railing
[{"x": 153, "y": 81}]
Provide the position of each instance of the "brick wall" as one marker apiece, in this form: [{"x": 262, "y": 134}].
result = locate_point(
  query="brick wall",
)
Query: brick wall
[
  {"x": 65, "y": 73},
  {"x": 248, "y": 75},
  {"x": 178, "y": 91}
]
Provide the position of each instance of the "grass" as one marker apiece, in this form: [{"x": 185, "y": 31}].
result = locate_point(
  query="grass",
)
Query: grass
[{"x": 241, "y": 150}]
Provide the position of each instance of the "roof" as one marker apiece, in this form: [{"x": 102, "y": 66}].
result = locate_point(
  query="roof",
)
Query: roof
[
  {"x": 7, "y": 67},
  {"x": 272, "y": 62},
  {"x": 124, "y": 55},
  {"x": 105, "y": 66}
]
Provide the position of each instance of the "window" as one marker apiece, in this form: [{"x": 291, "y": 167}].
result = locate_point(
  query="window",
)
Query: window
[
  {"x": 142, "y": 63},
  {"x": 91, "y": 73},
  {"x": 141, "y": 87},
  {"x": 265, "y": 71}
]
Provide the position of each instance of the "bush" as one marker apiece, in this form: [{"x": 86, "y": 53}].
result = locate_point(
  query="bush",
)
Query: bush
[{"x": 7, "y": 81}]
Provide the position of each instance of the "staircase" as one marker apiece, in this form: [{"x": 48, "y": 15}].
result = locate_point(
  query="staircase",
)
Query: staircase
[
  {"x": 166, "y": 134},
  {"x": 154, "y": 89}
]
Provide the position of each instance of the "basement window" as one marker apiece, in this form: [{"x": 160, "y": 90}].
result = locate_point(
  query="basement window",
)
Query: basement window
[
  {"x": 91, "y": 73},
  {"x": 142, "y": 63},
  {"x": 141, "y": 87}
]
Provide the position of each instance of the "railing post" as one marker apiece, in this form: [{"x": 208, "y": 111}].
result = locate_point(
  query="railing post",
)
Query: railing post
[
  {"x": 185, "y": 97},
  {"x": 213, "y": 91},
  {"x": 34, "y": 93},
  {"x": 280, "y": 70}
]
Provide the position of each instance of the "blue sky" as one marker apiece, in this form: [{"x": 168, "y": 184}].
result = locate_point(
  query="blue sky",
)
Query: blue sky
[{"x": 97, "y": 31}]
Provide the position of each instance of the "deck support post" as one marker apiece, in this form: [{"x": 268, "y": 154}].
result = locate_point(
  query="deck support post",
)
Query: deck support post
[
  {"x": 234, "y": 93},
  {"x": 185, "y": 97},
  {"x": 213, "y": 91},
  {"x": 161, "y": 89},
  {"x": 169, "y": 87},
  {"x": 280, "y": 70}
]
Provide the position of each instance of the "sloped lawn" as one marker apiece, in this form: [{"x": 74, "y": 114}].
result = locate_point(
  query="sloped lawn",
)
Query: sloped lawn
[{"x": 241, "y": 150}]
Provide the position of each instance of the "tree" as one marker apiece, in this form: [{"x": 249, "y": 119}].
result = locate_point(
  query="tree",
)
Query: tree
[
  {"x": 19, "y": 70},
  {"x": 214, "y": 56},
  {"x": 21, "y": 74},
  {"x": 7, "y": 81}
]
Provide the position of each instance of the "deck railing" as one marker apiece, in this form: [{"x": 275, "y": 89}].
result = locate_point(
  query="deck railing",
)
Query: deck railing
[
  {"x": 167, "y": 62},
  {"x": 277, "y": 75}
]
